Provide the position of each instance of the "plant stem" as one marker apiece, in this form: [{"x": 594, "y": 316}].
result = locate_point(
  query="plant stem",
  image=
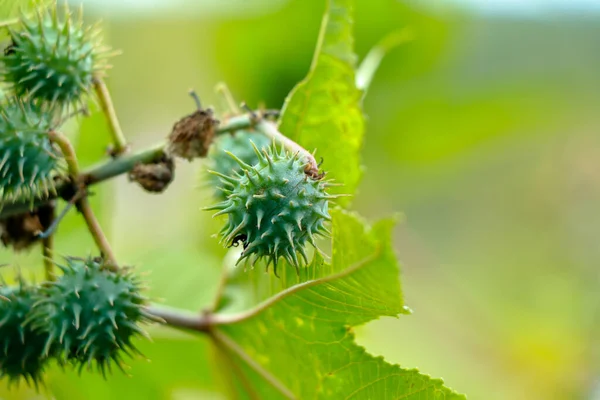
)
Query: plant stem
[
  {"x": 370, "y": 64},
  {"x": 181, "y": 319},
  {"x": 47, "y": 250},
  {"x": 119, "y": 141},
  {"x": 224, "y": 91},
  {"x": 96, "y": 231},
  {"x": 121, "y": 165},
  {"x": 270, "y": 130},
  {"x": 237, "y": 123},
  {"x": 124, "y": 163},
  {"x": 83, "y": 204},
  {"x": 67, "y": 150}
]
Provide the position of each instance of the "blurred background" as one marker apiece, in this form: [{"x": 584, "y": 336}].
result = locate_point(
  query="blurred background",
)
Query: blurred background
[{"x": 483, "y": 131}]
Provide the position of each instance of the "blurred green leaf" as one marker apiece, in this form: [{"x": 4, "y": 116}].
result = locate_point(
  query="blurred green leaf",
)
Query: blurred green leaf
[
  {"x": 184, "y": 365},
  {"x": 324, "y": 111},
  {"x": 300, "y": 343}
]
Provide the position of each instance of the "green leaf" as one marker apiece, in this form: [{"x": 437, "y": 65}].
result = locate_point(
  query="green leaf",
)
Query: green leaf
[
  {"x": 300, "y": 343},
  {"x": 324, "y": 110}
]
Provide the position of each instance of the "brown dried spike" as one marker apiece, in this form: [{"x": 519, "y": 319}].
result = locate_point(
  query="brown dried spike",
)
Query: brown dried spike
[
  {"x": 192, "y": 135},
  {"x": 21, "y": 231},
  {"x": 154, "y": 177}
]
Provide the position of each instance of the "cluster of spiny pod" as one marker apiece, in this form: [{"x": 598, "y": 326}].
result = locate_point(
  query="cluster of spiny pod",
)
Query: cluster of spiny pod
[
  {"x": 48, "y": 67},
  {"x": 88, "y": 314}
]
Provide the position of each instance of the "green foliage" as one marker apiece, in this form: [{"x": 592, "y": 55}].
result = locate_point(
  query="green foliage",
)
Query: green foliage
[
  {"x": 90, "y": 314},
  {"x": 273, "y": 207},
  {"x": 300, "y": 342},
  {"x": 28, "y": 160},
  {"x": 51, "y": 59},
  {"x": 21, "y": 348},
  {"x": 324, "y": 111},
  {"x": 237, "y": 143}
]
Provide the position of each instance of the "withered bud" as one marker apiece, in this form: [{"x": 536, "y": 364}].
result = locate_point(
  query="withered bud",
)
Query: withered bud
[
  {"x": 154, "y": 177},
  {"x": 192, "y": 135},
  {"x": 21, "y": 231}
]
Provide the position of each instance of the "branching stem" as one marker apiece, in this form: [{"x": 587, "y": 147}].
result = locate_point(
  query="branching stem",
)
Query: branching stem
[
  {"x": 181, "y": 319},
  {"x": 67, "y": 150},
  {"x": 96, "y": 231},
  {"x": 270, "y": 130},
  {"x": 83, "y": 204}
]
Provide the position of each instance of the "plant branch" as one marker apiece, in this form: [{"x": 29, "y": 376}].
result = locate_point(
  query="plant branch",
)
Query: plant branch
[
  {"x": 83, "y": 204},
  {"x": 47, "y": 253},
  {"x": 119, "y": 141},
  {"x": 270, "y": 130},
  {"x": 182, "y": 319},
  {"x": 370, "y": 64},
  {"x": 223, "y": 90},
  {"x": 67, "y": 150},
  {"x": 239, "y": 122},
  {"x": 96, "y": 231},
  {"x": 123, "y": 164}
]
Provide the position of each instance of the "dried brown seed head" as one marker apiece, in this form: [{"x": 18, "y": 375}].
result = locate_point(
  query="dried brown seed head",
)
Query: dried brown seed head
[
  {"x": 154, "y": 177},
  {"x": 21, "y": 231},
  {"x": 192, "y": 135}
]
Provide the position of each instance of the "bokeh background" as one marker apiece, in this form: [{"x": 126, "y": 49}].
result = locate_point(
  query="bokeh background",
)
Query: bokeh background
[{"x": 482, "y": 131}]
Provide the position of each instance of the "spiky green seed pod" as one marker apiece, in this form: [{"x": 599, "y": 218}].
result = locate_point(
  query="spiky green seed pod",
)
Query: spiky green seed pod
[
  {"x": 53, "y": 58},
  {"x": 238, "y": 143},
  {"x": 90, "y": 314},
  {"x": 28, "y": 160},
  {"x": 22, "y": 354},
  {"x": 273, "y": 207}
]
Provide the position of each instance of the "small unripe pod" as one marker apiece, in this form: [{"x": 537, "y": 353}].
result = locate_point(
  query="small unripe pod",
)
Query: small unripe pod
[{"x": 274, "y": 208}]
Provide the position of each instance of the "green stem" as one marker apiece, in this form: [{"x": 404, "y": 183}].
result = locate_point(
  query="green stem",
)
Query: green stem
[
  {"x": 366, "y": 70},
  {"x": 119, "y": 141},
  {"x": 98, "y": 235},
  {"x": 237, "y": 123},
  {"x": 121, "y": 165},
  {"x": 269, "y": 129},
  {"x": 124, "y": 163},
  {"x": 47, "y": 252},
  {"x": 182, "y": 319},
  {"x": 68, "y": 152},
  {"x": 224, "y": 91},
  {"x": 83, "y": 204}
]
